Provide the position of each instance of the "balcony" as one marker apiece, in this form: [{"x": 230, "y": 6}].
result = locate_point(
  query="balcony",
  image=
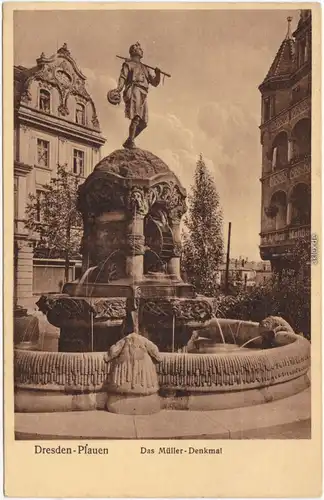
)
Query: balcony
[
  {"x": 298, "y": 166},
  {"x": 284, "y": 237},
  {"x": 301, "y": 107}
]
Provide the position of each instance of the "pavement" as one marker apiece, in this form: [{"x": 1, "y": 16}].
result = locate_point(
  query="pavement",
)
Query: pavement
[{"x": 288, "y": 418}]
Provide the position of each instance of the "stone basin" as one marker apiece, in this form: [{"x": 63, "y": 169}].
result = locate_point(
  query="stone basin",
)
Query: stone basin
[
  {"x": 209, "y": 346},
  {"x": 98, "y": 321},
  {"x": 228, "y": 377}
]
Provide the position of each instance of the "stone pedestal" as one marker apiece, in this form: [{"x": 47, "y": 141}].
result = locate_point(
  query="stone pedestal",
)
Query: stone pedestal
[{"x": 132, "y": 205}]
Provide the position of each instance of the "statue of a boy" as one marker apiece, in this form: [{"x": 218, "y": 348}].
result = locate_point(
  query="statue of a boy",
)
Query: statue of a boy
[{"x": 135, "y": 79}]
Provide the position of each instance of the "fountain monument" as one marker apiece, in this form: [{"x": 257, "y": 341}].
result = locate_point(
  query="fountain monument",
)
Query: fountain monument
[{"x": 134, "y": 337}]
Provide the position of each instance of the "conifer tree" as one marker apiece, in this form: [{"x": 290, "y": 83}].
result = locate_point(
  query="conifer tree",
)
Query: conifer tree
[{"x": 203, "y": 237}]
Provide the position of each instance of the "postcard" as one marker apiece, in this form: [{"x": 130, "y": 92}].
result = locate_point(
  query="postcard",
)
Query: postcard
[{"x": 162, "y": 222}]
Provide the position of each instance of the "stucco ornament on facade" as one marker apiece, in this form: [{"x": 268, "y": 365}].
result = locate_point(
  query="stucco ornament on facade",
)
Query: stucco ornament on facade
[
  {"x": 302, "y": 169},
  {"x": 60, "y": 71}
]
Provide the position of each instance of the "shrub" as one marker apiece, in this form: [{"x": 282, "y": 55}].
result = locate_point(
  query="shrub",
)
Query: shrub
[{"x": 287, "y": 294}]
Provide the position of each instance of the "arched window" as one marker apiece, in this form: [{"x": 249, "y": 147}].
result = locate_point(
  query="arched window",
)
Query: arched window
[
  {"x": 80, "y": 114},
  {"x": 45, "y": 100},
  {"x": 302, "y": 138},
  {"x": 279, "y": 151},
  {"x": 268, "y": 108},
  {"x": 301, "y": 205},
  {"x": 78, "y": 162},
  {"x": 278, "y": 205}
]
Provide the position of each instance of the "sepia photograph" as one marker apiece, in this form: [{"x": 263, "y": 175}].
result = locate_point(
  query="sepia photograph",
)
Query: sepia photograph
[
  {"x": 162, "y": 241},
  {"x": 162, "y": 249}
]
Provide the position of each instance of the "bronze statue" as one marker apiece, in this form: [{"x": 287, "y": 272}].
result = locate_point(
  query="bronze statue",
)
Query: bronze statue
[{"x": 135, "y": 78}]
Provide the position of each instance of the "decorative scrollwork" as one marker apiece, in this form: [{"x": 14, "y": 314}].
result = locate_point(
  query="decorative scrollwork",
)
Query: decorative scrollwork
[
  {"x": 26, "y": 97},
  {"x": 278, "y": 178},
  {"x": 169, "y": 195},
  {"x": 60, "y": 71},
  {"x": 200, "y": 309},
  {"x": 62, "y": 308},
  {"x": 109, "y": 308}
]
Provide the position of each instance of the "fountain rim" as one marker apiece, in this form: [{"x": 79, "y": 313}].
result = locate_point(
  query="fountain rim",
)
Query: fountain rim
[
  {"x": 188, "y": 381},
  {"x": 283, "y": 359},
  {"x": 248, "y": 352}
]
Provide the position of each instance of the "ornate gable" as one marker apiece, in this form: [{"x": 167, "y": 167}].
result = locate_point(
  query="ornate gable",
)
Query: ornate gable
[{"x": 60, "y": 71}]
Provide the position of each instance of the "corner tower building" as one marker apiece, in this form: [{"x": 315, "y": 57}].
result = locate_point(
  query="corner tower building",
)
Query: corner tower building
[{"x": 286, "y": 145}]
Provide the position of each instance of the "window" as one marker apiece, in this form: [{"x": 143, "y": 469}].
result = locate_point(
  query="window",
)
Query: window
[
  {"x": 296, "y": 94},
  {"x": 78, "y": 162},
  {"x": 268, "y": 108},
  {"x": 42, "y": 153},
  {"x": 80, "y": 114},
  {"x": 15, "y": 197},
  {"x": 45, "y": 101},
  {"x": 39, "y": 196},
  {"x": 274, "y": 158},
  {"x": 302, "y": 52}
]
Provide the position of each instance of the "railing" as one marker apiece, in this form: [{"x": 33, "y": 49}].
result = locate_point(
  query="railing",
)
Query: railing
[
  {"x": 282, "y": 236},
  {"x": 298, "y": 165},
  {"x": 283, "y": 118}
]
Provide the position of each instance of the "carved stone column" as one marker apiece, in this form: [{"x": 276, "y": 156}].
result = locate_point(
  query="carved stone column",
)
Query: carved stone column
[
  {"x": 137, "y": 206},
  {"x": 135, "y": 248},
  {"x": 173, "y": 266}
]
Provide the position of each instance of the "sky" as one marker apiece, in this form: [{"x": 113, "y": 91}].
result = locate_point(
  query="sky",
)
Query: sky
[{"x": 210, "y": 105}]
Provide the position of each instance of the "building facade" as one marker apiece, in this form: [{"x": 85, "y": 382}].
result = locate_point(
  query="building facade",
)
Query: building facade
[
  {"x": 286, "y": 145},
  {"x": 245, "y": 274},
  {"x": 55, "y": 123}
]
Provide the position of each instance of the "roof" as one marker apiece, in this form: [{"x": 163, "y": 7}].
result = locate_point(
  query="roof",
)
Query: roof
[
  {"x": 263, "y": 266},
  {"x": 284, "y": 62},
  {"x": 232, "y": 267},
  {"x": 21, "y": 74}
]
